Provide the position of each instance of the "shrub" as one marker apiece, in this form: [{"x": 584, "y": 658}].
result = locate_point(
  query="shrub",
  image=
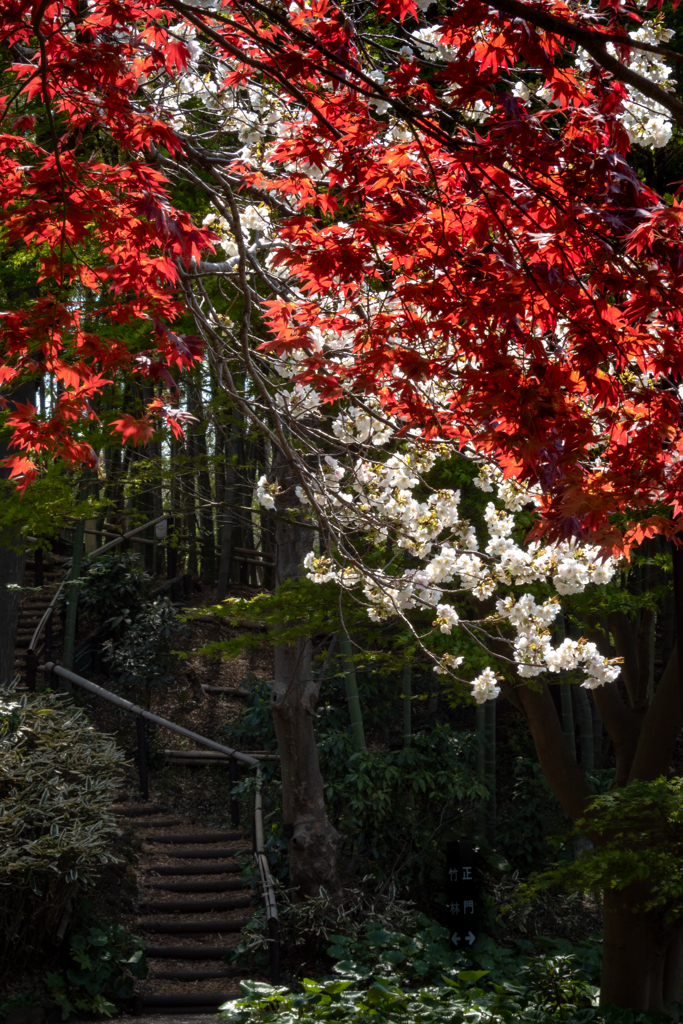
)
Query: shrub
[
  {"x": 56, "y": 780},
  {"x": 112, "y": 585},
  {"x": 103, "y": 966},
  {"x": 143, "y": 657}
]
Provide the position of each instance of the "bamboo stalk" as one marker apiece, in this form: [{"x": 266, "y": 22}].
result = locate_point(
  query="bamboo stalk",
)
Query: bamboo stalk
[
  {"x": 407, "y": 708},
  {"x": 352, "y": 698},
  {"x": 491, "y": 809},
  {"x": 72, "y": 598},
  {"x": 586, "y": 729}
]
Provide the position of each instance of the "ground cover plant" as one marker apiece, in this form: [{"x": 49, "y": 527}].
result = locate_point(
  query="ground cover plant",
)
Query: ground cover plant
[
  {"x": 103, "y": 966},
  {"x": 57, "y": 779},
  {"x": 390, "y": 976}
]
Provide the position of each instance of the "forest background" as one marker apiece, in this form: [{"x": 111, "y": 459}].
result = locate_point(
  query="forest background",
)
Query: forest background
[{"x": 434, "y": 255}]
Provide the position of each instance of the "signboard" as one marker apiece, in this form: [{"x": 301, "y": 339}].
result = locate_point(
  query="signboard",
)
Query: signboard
[{"x": 465, "y": 905}]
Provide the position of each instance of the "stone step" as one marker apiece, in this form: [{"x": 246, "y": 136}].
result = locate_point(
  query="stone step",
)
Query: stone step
[
  {"x": 166, "y": 823},
  {"x": 227, "y": 972},
  {"x": 187, "y": 952},
  {"x": 214, "y": 999},
  {"x": 137, "y": 810},
  {"x": 231, "y": 690},
  {"x": 208, "y": 854}
]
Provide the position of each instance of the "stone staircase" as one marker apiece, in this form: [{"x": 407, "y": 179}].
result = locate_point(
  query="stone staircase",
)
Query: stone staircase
[
  {"x": 33, "y": 607},
  {"x": 192, "y": 908}
]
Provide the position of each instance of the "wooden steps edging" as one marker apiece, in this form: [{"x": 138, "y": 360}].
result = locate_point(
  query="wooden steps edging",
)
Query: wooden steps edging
[
  {"x": 194, "y": 906},
  {"x": 229, "y": 885},
  {"x": 204, "y": 927}
]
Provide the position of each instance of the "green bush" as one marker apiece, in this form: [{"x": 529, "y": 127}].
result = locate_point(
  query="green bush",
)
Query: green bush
[
  {"x": 103, "y": 965},
  {"x": 112, "y": 585},
  {"x": 57, "y": 778},
  {"x": 393, "y": 807},
  {"x": 142, "y": 657},
  {"x": 638, "y": 834}
]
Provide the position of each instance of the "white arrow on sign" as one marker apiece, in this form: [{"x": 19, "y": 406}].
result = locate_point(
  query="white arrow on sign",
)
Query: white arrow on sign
[
  {"x": 455, "y": 938},
  {"x": 470, "y": 938}
]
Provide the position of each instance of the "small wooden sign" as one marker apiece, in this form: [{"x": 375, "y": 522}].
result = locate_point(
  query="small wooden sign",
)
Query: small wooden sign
[{"x": 465, "y": 905}]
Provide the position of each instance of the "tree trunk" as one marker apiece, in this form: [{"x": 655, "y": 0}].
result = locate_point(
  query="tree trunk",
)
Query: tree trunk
[
  {"x": 312, "y": 839},
  {"x": 642, "y": 965}
]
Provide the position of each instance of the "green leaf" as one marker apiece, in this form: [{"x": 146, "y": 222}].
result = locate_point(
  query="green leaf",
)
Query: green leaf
[
  {"x": 337, "y": 952},
  {"x": 393, "y": 956},
  {"x": 471, "y": 975}
]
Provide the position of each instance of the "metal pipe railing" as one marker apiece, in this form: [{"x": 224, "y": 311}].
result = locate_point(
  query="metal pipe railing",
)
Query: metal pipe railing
[
  {"x": 268, "y": 891},
  {"x": 139, "y": 712}
]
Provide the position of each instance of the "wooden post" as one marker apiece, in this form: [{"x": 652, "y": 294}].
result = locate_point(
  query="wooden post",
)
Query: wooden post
[
  {"x": 274, "y": 944},
  {"x": 31, "y": 670},
  {"x": 48, "y": 637},
  {"x": 234, "y": 802},
  {"x": 142, "y": 757}
]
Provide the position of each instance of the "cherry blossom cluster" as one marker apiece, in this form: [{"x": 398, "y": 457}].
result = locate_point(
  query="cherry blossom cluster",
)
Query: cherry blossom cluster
[{"x": 378, "y": 499}]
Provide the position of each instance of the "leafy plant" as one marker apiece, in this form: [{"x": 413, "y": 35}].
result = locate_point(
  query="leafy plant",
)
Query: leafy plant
[
  {"x": 28, "y": 1001},
  {"x": 638, "y": 834},
  {"x": 103, "y": 966},
  {"x": 390, "y": 976},
  {"x": 317, "y": 920},
  {"x": 143, "y": 656},
  {"x": 56, "y": 829},
  {"x": 372, "y": 795},
  {"x": 112, "y": 585}
]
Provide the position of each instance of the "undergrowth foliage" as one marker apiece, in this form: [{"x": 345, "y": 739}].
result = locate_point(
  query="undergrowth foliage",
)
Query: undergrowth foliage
[
  {"x": 111, "y": 583},
  {"x": 103, "y": 965},
  {"x": 57, "y": 775},
  {"x": 638, "y": 833},
  {"x": 142, "y": 657},
  {"x": 386, "y": 975}
]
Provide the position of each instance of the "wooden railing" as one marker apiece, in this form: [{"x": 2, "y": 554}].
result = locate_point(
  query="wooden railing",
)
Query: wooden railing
[{"x": 141, "y": 715}]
